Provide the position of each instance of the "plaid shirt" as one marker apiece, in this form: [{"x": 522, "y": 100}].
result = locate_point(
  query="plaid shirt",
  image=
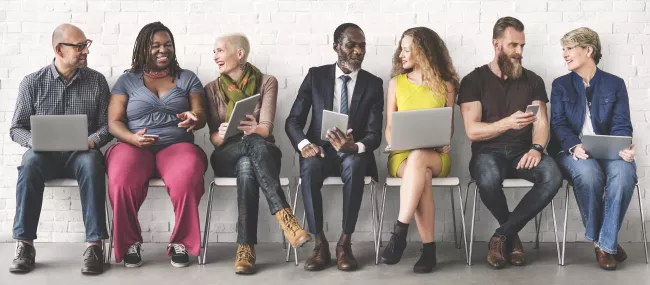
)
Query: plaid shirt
[{"x": 46, "y": 92}]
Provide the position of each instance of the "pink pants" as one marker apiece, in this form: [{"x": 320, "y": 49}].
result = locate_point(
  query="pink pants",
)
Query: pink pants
[{"x": 181, "y": 166}]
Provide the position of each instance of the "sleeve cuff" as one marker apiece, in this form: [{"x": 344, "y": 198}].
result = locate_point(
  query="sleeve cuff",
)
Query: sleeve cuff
[
  {"x": 303, "y": 144},
  {"x": 362, "y": 147},
  {"x": 572, "y": 148}
]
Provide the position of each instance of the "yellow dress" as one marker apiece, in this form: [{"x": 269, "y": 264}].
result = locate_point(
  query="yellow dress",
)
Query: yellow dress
[{"x": 409, "y": 96}]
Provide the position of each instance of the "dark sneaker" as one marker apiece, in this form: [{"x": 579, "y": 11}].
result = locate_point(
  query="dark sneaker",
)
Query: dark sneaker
[
  {"x": 180, "y": 258},
  {"x": 427, "y": 260},
  {"x": 93, "y": 260},
  {"x": 24, "y": 259},
  {"x": 394, "y": 250},
  {"x": 133, "y": 257}
]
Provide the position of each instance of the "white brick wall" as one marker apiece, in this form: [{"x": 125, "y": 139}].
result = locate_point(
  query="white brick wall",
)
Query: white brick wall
[{"x": 287, "y": 38}]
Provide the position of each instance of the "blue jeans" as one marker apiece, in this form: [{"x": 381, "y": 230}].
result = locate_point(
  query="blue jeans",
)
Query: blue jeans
[
  {"x": 256, "y": 164},
  {"x": 87, "y": 167},
  {"x": 490, "y": 167},
  {"x": 603, "y": 189}
]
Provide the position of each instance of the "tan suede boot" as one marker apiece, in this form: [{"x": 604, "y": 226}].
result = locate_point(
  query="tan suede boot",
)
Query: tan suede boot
[{"x": 292, "y": 230}]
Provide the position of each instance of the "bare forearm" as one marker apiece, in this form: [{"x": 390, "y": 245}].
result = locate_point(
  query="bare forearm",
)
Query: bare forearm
[
  {"x": 540, "y": 133},
  {"x": 119, "y": 130},
  {"x": 479, "y": 131}
]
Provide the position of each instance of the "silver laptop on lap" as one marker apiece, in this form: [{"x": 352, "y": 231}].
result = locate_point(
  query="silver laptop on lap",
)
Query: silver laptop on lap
[
  {"x": 59, "y": 132},
  {"x": 605, "y": 147},
  {"x": 426, "y": 128}
]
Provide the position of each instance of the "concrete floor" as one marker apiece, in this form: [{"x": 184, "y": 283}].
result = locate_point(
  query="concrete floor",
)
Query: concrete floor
[{"x": 60, "y": 263}]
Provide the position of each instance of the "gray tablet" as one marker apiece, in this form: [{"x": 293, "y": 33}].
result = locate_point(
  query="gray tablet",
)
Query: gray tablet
[
  {"x": 242, "y": 108},
  {"x": 605, "y": 147},
  {"x": 332, "y": 120},
  {"x": 425, "y": 128},
  {"x": 59, "y": 132}
]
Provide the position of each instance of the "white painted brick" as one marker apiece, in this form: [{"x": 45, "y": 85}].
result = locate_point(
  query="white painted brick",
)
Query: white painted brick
[
  {"x": 632, "y": 28},
  {"x": 103, "y": 6},
  {"x": 591, "y": 6},
  {"x": 563, "y": 6},
  {"x": 531, "y": 6},
  {"x": 639, "y": 17},
  {"x": 629, "y": 6},
  {"x": 136, "y": 6},
  {"x": 639, "y": 39},
  {"x": 171, "y": 6}
]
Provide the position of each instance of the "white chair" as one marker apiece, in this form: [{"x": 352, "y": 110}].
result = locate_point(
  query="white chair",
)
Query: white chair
[
  {"x": 337, "y": 181},
  {"x": 566, "y": 212},
  {"x": 230, "y": 182},
  {"x": 450, "y": 182},
  {"x": 154, "y": 182},
  {"x": 66, "y": 182},
  {"x": 511, "y": 183}
]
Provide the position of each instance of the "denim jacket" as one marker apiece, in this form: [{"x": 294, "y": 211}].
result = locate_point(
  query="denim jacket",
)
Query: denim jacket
[{"x": 610, "y": 109}]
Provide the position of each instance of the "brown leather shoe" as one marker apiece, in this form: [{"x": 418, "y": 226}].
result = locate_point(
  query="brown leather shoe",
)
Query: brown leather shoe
[
  {"x": 345, "y": 260},
  {"x": 320, "y": 257},
  {"x": 620, "y": 255},
  {"x": 496, "y": 252},
  {"x": 292, "y": 230},
  {"x": 515, "y": 251},
  {"x": 245, "y": 261},
  {"x": 605, "y": 260}
]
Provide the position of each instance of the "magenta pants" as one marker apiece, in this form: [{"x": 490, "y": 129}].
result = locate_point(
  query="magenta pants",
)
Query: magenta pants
[{"x": 181, "y": 166}]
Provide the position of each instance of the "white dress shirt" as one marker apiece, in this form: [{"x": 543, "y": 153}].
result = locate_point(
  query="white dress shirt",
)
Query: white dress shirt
[{"x": 336, "y": 107}]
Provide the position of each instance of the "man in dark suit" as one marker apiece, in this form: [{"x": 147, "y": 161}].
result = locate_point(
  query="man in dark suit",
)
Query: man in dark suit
[{"x": 348, "y": 153}]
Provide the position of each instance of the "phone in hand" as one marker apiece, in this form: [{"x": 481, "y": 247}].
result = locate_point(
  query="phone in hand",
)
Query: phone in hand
[
  {"x": 532, "y": 109},
  {"x": 151, "y": 136}
]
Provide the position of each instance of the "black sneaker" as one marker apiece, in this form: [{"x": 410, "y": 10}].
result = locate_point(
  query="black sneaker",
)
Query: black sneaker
[
  {"x": 180, "y": 258},
  {"x": 25, "y": 258},
  {"x": 133, "y": 257},
  {"x": 394, "y": 250},
  {"x": 93, "y": 260},
  {"x": 427, "y": 260}
]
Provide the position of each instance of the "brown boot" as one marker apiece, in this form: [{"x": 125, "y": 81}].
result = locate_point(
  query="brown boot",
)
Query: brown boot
[
  {"x": 292, "y": 230},
  {"x": 245, "y": 261},
  {"x": 496, "y": 252},
  {"x": 605, "y": 260},
  {"x": 620, "y": 255},
  {"x": 320, "y": 257},
  {"x": 515, "y": 251},
  {"x": 344, "y": 258}
]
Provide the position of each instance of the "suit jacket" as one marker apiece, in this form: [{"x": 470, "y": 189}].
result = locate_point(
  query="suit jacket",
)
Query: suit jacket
[
  {"x": 610, "y": 109},
  {"x": 317, "y": 94}
]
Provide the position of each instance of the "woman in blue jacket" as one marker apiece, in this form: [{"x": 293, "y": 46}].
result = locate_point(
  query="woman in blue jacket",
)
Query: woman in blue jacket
[{"x": 590, "y": 101}]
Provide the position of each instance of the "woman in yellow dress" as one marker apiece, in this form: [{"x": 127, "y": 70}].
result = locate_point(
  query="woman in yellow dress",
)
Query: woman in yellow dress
[{"x": 423, "y": 77}]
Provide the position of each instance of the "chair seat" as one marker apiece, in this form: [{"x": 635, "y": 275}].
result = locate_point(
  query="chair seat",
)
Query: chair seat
[
  {"x": 517, "y": 183},
  {"x": 446, "y": 181},
  {"x": 232, "y": 181},
  {"x": 62, "y": 183},
  {"x": 156, "y": 182},
  {"x": 334, "y": 181}
]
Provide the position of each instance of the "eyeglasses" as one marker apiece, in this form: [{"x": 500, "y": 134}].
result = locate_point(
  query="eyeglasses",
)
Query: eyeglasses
[{"x": 80, "y": 47}]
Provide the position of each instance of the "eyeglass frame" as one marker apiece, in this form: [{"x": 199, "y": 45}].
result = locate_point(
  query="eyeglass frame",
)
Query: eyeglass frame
[{"x": 80, "y": 47}]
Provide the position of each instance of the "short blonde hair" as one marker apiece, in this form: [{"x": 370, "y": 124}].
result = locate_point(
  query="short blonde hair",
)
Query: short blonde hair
[
  {"x": 239, "y": 41},
  {"x": 584, "y": 37}
]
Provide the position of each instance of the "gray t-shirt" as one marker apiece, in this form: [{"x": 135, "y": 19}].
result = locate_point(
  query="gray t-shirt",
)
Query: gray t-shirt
[{"x": 145, "y": 110}]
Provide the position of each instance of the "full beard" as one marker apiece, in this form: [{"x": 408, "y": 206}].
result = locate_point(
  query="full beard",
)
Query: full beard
[
  {"x": 352, "y": 64},
  {"x": 508, "y": 68}
]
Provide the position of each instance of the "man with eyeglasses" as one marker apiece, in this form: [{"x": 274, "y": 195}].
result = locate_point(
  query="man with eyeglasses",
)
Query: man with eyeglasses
[{"x": 65, "y": 87}]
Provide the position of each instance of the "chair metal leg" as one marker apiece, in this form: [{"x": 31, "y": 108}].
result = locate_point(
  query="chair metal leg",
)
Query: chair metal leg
[
  {"x": 471, "y": 234},
  {"x": 284, "y": 240},
  {"x": 462, "y": 233},
  {"x": 537, "y": 222},
  {"x": 381, "y": 223},
  {"x": 566, "y": 214},
  {"x": 462, "y": 220},
  {"x": 206, "y": 230},
  {"x": 557, "y": 243},
  {"x": 109, "y": 221},
  {"x": 293, "y": 211},
  {"x": 374, "y": 215},
  {"x": 645, "y": 240},
  {"x": 453, "y": 217}
]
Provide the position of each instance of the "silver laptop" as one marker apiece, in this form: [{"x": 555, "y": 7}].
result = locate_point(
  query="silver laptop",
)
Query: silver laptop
[
  {"x": 424, "y": 128},
  {"x": 59, "y": 132},
  {"x": 605, "y": 147}
]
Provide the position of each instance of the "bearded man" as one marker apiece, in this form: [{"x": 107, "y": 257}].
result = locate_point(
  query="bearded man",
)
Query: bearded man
[
  {"x": 507, "y": 142},
  {"x": 345, "y": 88}
]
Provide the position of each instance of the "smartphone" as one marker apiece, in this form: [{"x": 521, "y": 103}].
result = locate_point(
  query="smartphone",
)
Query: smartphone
[
  {"x": 151, "y": 136},
  {"x": 532, "y": 109}
]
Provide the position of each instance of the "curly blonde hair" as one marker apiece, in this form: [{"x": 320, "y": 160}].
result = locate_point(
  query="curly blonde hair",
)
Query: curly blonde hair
[{"x": 432, "y": 56}]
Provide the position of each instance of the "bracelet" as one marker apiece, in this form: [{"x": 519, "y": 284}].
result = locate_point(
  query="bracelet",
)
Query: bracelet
[{"x": 194, "y": 113}]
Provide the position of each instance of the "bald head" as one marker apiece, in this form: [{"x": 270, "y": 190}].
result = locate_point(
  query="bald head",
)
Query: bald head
[
  {"x": 64, "y": 32},
  {"x": 237, "y": 41}
]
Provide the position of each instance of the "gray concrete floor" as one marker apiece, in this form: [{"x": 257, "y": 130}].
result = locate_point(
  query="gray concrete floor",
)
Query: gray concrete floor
[{"x": 60, "y": 263}]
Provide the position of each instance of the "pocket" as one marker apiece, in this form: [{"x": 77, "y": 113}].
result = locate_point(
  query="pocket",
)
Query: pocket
[
  {"x": 569, "y": 99},
  {"x": 608, "y": 99}
]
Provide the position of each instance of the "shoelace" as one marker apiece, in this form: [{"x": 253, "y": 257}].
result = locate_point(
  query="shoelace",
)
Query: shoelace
[
  {"x": 133, "y": 249},
  {"x": 19, "y": 250},
  {"x": 246, "y": 253},
  {"x": 291, "y": 224},
  {"x": 497, "y": 244},
  {"x": 90, "y": 254},
  {"x": 178, "y": 248},
  {"x": 392, "y": 243}
]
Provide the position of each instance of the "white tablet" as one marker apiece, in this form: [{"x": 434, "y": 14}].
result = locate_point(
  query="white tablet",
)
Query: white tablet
[
  {"x": 242, "y": 108},
  {"x": 605, "y": 147},
  {"x": 333, "y": 120}
]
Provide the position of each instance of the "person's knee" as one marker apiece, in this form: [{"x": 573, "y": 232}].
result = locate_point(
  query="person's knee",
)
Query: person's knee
[
  {"x": 588, "y": 176},
  {"x": 311, "y": 166},
  {"x": 185, "y": 188},
  {"x": 622, "y": 177},
  {"x": 487, "y": 173},
  {"x": 92, "y": 162},
  {"x": 32, "y": 162}
]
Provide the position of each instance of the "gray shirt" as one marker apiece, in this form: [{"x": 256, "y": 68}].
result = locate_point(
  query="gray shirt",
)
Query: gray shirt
[{"x": 145, "y": 110}]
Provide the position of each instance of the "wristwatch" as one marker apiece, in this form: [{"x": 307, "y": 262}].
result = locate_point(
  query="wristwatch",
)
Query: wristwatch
[{"x": 538, "y": 147}]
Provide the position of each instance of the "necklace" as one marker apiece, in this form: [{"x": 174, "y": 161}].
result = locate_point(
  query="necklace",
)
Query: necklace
[{"x": 156, "y": 74}]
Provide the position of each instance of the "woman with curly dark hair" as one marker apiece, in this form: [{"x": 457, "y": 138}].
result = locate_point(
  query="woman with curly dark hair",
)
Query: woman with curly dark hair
[
  {"x": 154, "y": 107},
  {"x": 423, "y": 77}
]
